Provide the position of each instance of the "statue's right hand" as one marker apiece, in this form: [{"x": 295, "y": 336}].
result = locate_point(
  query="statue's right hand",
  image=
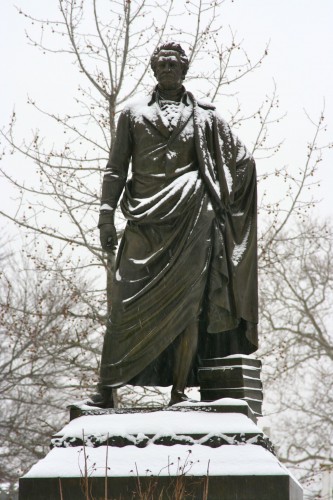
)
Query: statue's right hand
[{"x": 108, "y": 237}]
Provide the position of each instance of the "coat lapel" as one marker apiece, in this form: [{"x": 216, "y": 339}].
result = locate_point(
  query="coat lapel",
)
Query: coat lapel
[{"x": 152, "y": 113}]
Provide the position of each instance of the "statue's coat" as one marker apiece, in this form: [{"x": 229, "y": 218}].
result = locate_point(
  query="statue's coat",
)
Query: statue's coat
[{"x": 189, "y": 247}]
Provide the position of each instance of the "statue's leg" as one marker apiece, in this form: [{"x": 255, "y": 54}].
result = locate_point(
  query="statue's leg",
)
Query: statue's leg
[
  {"x": 184, "y": 357},
  {"x": 103, "y": 397}
]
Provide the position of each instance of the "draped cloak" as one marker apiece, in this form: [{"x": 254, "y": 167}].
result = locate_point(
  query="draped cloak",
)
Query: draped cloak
[{"x": 188, "y": 252}]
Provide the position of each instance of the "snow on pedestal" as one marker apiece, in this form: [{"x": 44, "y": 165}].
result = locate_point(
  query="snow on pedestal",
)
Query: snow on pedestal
[
  {"x": 159, "y": 423},
  {"x": 189, "y": 445},
  {"x": 159, "y": 460}
]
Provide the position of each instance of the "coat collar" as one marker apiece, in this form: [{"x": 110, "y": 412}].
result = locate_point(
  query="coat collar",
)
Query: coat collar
[{"x": 154, "y": 115}]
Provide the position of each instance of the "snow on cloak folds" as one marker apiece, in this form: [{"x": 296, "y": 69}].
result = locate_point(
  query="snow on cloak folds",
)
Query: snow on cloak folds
[{"x": 178, "y": 258}]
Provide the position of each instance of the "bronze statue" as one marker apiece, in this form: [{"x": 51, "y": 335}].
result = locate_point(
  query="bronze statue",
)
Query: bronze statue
[{"x": 185, "y": 284}]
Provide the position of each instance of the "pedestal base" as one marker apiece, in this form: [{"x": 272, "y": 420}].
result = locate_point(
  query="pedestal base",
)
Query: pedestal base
[
  {"x": 187, "y": 451},
  {"x": 163, "y": 488}
]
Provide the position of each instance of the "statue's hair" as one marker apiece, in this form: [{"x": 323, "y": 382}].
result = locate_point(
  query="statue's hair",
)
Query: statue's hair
[{"x": 176, "y": 48}]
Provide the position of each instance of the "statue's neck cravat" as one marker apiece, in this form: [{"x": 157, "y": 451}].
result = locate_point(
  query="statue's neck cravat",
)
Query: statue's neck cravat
[{"x": 170, "y": 103}]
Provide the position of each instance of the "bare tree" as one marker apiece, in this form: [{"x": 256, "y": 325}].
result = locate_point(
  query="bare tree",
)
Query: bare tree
[
  {"x": 113, "y": 65},
  {"x": 50, "y": 347},
  {"x": 59, "y": 302},
  {"x": 296, "y": 309},
  {"x": 111, "y": 52}
]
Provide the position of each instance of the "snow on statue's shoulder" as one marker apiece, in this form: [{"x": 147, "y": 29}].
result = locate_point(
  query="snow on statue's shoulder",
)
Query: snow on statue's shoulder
[
  {"x": 206, "y": 105},
  {"x": 138, "y": 105},
  {"x": 138, "y": 101}
]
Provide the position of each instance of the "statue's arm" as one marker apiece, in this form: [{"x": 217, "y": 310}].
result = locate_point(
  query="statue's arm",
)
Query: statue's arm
[
  {"x": 240, "y": 165},
  {"x": 114, "y": 181},
  {"x": 244, "y": 199},
  {"x": 240, "y": 228}
]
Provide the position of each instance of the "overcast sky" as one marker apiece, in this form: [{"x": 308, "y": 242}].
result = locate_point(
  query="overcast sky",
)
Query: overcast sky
[{"x": 300, "y": 62}]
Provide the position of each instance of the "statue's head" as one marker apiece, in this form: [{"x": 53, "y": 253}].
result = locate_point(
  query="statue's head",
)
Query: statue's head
[{"x": 169, "y": 64}]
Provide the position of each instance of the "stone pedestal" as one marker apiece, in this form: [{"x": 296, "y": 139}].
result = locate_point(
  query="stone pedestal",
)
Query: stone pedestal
[
  {"x": 236, "y": 376},
  {"x": 199, "y": 450}
]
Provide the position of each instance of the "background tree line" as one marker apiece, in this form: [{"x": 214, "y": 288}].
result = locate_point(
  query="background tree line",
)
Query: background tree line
[{"x": 53, "y": 299}]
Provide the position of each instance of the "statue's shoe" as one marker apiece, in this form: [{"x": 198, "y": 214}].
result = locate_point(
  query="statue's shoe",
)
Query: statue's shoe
[
  {"x": 101, "y": 399},
  {"x": 179, "y": 397}
]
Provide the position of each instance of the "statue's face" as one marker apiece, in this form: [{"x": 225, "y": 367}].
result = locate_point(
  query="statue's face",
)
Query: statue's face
[{"x": 168, "y": 70}]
